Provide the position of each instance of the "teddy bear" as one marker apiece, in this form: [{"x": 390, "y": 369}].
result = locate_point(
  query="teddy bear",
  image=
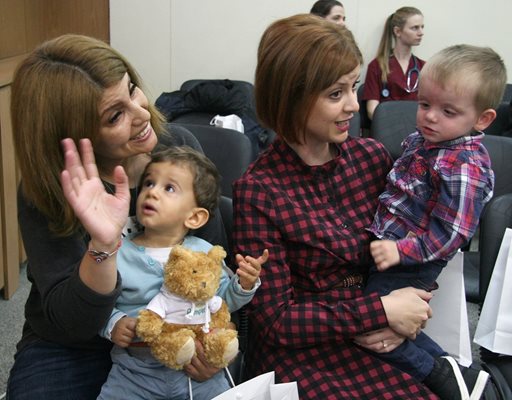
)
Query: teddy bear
[{"x": 186, "y": 308}]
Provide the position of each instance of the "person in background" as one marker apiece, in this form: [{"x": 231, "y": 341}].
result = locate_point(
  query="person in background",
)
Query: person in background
[
  {"x": 434, "y": 196},
  {"x": 78, "y": 87},
  {"x": 393, "y": 74},
  {"x": 331, "y": 10},
  {"x": 309, "y": 199}
]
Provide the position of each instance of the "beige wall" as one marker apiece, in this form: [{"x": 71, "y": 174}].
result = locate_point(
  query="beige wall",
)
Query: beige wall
[{"x": 170, "y": 41}]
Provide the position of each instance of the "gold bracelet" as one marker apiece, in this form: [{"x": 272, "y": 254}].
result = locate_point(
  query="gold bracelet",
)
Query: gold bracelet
[{"x": 100, "y": 256}]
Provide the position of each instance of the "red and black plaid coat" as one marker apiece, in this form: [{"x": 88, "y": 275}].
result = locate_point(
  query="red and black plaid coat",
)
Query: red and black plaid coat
[{"x": 313, "y": 220}]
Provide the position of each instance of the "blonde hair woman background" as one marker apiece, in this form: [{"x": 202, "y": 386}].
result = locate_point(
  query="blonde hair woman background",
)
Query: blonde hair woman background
[{"x": 393, "y": 74}]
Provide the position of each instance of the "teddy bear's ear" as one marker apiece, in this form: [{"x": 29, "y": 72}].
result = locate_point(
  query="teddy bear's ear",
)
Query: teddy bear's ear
[
  {"x": 217, "y": 254},
  {"x": 179, "y": 252}
]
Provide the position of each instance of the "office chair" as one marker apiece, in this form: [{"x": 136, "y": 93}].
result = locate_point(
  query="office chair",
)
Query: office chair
[
  {"x": 229, "y": 150},
  {"x": 507, "y": 95},
  {"x": 500, "y": 369},
  {"x": 503, "y": 120},
  {"x": 355, "y": 125},
  {"x": 478, "y": 267},
  {"x": 392, "y": 122},
  {"x": 500, "y": 150},
  {"x": 365, "y": 121},
  {"x": 478, "y": 264},
  {"x": 226, "y": 211}
]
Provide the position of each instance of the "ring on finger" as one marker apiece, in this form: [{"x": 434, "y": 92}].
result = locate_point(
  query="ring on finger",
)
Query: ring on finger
[{"x": 384, "y": 344}]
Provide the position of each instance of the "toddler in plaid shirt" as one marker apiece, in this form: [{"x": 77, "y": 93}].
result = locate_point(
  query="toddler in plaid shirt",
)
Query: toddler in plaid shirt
[{"x": 434, "y": 195}]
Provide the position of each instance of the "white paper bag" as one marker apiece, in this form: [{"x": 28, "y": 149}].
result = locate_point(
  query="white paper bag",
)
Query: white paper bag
[
  {"x": 284, "y": 391},
  {"x": 261, "y": 387},
  {"x": 449, "y": 326},
  {"x": 231, "y": 121},
  {"x": 494, "y": 329}
]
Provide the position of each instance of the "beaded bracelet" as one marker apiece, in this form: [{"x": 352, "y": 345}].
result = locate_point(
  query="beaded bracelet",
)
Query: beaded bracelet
[{"x": 100, "y": 256}]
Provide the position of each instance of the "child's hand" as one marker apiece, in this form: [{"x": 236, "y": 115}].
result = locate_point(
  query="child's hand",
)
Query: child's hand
[
  {"x": 384, "y": 253},
  {"x": 249, "y": 269},
  {"x": 124, "y": 331}
]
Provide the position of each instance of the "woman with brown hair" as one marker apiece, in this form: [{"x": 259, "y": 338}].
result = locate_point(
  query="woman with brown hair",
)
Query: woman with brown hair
[
  {"x": 80, "y": 88},
  {"x": 308, "y": 199}
]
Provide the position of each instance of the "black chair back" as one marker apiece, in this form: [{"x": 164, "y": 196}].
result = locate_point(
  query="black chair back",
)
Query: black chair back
[
  {"x": 478, "y": 265},
  {"x": 366, "y": 122},
  {"x": 496, "y": 218},
  {"x": 392, "y": 122},
  {"x": 500, "y": 149},
  {"x": 355, "y": 125},
  {"x": 229, "y": 150},
  {"x": 503, "y": 121},
  {"x": 507, "y": 95}
]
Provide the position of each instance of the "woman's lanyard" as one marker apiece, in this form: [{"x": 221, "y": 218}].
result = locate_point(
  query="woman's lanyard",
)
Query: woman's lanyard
[{"x": 410, "y": 72}]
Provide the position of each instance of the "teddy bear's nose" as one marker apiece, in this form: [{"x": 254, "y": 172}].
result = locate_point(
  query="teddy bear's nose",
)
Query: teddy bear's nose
[{"x": 204, "y": 284}]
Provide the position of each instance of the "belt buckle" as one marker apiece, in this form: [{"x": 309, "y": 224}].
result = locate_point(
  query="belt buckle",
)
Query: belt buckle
[{"x": 352, "y": 280}]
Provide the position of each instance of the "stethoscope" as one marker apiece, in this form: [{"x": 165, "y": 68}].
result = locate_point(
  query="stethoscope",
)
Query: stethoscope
[{"x": 408, "y": 88}]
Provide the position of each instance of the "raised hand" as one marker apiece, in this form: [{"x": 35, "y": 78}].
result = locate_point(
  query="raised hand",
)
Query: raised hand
[
  {"x": 102, "y": 214},
  {"x": 249, "y": 269}
]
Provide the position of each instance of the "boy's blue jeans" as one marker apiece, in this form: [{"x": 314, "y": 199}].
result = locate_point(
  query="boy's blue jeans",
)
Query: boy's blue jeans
[
  {"x": 136, "y": 374},
  {"x": 415, "y": 357},
  {"x": 48, "y": 371}
]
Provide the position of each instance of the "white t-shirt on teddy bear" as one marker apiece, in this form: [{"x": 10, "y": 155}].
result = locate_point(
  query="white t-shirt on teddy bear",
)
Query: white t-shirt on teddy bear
[{"x": 177, "y": 310}]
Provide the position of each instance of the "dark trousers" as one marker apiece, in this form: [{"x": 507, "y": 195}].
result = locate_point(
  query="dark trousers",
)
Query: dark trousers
[
  {"x": 48, "y": 371},
  {"x": 415, "y": 357}
]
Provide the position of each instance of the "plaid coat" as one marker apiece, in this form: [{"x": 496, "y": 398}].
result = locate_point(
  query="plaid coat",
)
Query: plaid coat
[{"x": 313, "y": 220}]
